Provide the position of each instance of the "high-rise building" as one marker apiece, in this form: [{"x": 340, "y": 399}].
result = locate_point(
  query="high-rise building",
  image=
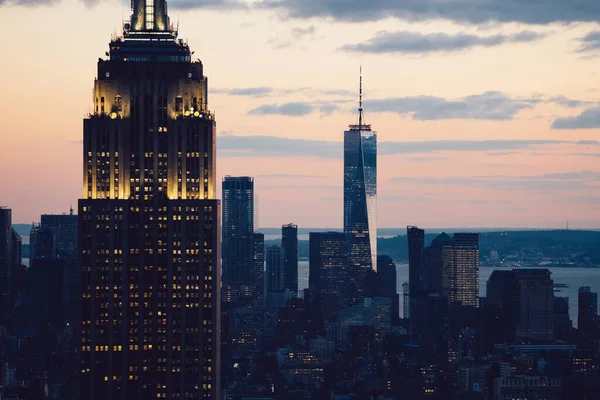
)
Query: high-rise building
[
  {"x": 587, "y": 310},
  {"x": 238, "y": 240},
  {"x": 5, "y": 261},
  {"x": 587, "y": 318},
  {"x": 465, "y": 286},
  {"x": 452, "y": 267},
  {"x": 149, "y": 221},
  {"x": 329, "y": 270},
  {"x": 527, "y": 298},
  {"x": 416, "y": 267},
  {"x": 536, "y": 304},
  {"x": 289, "y": 244},
  {"x": 386, "y": 271},
  {"x": 64, "y": 227},
  {"x": 360, "y": 193},
  {"x": 274, "y": 269},
  {"x": 42, "y": 243},
  {"x": 259, "y": 262}
]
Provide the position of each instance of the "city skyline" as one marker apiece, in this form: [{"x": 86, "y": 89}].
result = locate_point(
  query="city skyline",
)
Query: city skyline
[{"x": 525, "y": 73}]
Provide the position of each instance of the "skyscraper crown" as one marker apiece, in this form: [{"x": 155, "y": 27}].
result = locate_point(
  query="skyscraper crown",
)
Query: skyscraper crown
[{"x": 150, "y": 15}]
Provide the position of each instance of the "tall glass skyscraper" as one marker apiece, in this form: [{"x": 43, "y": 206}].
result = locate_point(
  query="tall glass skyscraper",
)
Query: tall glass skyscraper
[
  {"x": 239, "y": 280},
  {"x": 149, "y": 222},
  {"x": 360, "y": 192}
]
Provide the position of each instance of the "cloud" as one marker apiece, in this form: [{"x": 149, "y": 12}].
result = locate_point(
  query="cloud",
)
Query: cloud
[
  {"x": 463, "y": 11},
  {"x": 574, "y": 180},
  {"x": 252, "y": 91},
  {"x": 292, "y": 109},
  {"x": 426, "y": 159},
  {"x": 588, "y": 119},
  {"x": 299, "y": 33},
  {"x": 590, "y": 43},
  {"x": 275, "y": 146},
  {"x": 569, "y": 103},
  {"x": 328, "y": 109},
  {"x": 424, "y": 43},
  {"x": 495, "y": 106}
]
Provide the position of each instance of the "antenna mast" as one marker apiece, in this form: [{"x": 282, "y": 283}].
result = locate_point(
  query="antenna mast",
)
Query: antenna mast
[{"x": 360, "y": 109}]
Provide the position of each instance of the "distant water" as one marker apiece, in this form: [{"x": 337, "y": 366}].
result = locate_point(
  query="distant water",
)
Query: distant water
[{"x": 574, "y": 278}]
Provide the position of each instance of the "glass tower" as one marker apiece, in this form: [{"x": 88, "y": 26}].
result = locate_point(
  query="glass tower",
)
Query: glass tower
[
  {"x": 360, "y": 192},
  {"x": 239, "y": 280},
  {"x": 149, "y": 222}
]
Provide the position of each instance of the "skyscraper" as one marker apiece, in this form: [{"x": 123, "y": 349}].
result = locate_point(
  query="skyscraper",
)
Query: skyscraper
[
  {"x": 329, "y": 270},
  {"x": 274, "y": 269},
  {"x": 64, "y": 227},
  {"x": 465, "y": 288},
  {"x": 259, "y": 262},
  {"x": 238, "y": 240},
  {"x": 360, "y": 192},
  {"x": 289, "y": 244},
  {"x": 149, "y": 221},
  {"x": 587, "y": 318},
  {"x": 5, "y": 261},
  {"x": 416, "y": 267}
]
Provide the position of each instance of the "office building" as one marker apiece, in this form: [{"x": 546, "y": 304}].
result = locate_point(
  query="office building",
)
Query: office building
[
  {"x": 329, "y": 271},
  {"x": 238, "y": 239},
  {"x": 588, "y": 322},
  {"x": 386, "y": 275},
  {"x": 289, "y": 244},
  {"x": 274, "y": 269},
  {"x": 360, "y": 194},
  {"x": 42, "y": 243},
  {"x": 5, "y": 261},
  {"x": 258, "y": 255},
  {"x": 527, "y": 297},
  {"x": 64, "y": 228},
  {"x": 149, "y": 221},
  {"x": 465, "y": 285}
]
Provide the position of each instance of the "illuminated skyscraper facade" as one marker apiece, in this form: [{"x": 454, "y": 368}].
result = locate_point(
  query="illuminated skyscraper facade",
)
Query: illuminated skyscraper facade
[
  {"x": 360, "y": 200},
  {"x": 149, "y": 222},
  {"x": 465, "y": 277}
]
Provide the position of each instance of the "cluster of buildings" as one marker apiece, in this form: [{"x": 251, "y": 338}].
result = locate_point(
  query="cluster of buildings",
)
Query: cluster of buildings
[{"x": 157, "y": 289}]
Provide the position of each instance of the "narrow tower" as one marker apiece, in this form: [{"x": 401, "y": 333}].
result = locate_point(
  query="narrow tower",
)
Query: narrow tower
[
  {"x": 360, "y": 196},
  {"x": 149, "y": 222}
]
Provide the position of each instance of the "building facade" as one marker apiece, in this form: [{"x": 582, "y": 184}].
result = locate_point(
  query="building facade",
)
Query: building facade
[
  {"x": 149, "y": 222},
  {"x": 329, "y": 271},
  {"x": 289, "y": 244},
  {"x": 360, "y": 192},
  {"x": 258, "y": 255},
  {"x": 238, "y": 238},
  {"x": 64, "y": 228}
]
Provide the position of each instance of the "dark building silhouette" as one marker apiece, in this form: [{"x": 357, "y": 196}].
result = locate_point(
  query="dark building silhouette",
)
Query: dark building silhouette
[
  {"x": 275, "y": 275},
  {"x": 563, "y": 326},
  {"x": 289, "y": 244},
  {"x": 45, "y": 294},
  {"x": 438, "y": 259},
  {"x": 238, "y": 239},
  {"x": 360, "y": 198},
  {"x": 149, "y": 222},
  {"x": 587, "y": 318},
  {"x": 259, "y": 262},
  {"x": 416, "y": 268},
  {"x": 10, "y": 263},
  {"x": 527, "y": 297},
  {"x": 386, "y": 279},
  {"x": 329, "y": 270},
  {"x": 64, "y": 228},
  {"x": 42, "y": 243}
]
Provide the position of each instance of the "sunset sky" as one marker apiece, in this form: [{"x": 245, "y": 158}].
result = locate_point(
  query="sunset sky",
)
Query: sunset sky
[{"x": 487, "y": 111}]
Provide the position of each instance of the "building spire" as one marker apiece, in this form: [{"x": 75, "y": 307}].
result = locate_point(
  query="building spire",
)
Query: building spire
[
  {"x": 149, "y": 15},
  {"x": 360, "y": 109}
]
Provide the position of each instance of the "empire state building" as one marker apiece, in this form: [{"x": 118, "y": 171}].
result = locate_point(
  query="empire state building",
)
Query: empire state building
[{"x": 149, "y": 222}]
